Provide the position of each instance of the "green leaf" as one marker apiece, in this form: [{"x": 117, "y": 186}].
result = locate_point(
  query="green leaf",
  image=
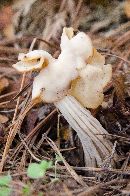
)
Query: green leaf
[
  {"x": 38, "y": 170},
  {"x": 46, "y": 164},
  {"x": 40, "y": 194},
  {"x": 26, "y": 190},
  {"x": 35, "y": 171},
  {"x": 4, "y": 183},
  {"x": 5, "y": 191},
  {"x": 5, "y": 180}
]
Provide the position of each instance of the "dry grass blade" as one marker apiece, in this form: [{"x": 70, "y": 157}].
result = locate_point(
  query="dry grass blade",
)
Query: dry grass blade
[
  {"x": 23, "y": 90},
  {"x": 114, "y": 55},
  {"x": 8, "y": 94},
  {"x": 16, "y": 127},
  {"x": 12, "y": 134},
  {"x": 7, "y": 59},
  {"x": 30, "y": 135},
  {"x": 4, "y": 103},
  {"x": 96, "y": 189},
  {"x": 70, "y": 170},
  {"x": 11, "y": 50},
  {"x": 98, "y": 170},
  {"x": 48, "y": 43},
  {"x": 75, "y": 18},
  {"x": 30, "y": 152}
]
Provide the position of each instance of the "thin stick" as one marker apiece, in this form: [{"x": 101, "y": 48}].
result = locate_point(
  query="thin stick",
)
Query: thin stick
[
  {"x": 11, "y": 50},
  {"x": 12, "y": 133},
  {"x": 94, "y": 190},
  {"x": 4, "y": 103},
  {"x": 48, "y": 43},
  {"x": 78, "y": 9},
  {"x": 94, "y": 169},
  {"x": 58, "y": 131},
  {"x": 32, "y": 44},
  {"x": 114, "y": 55},
  {"x": 70, "y": 169},
  {"x": 30, "y": 152},
  {"x": 18, "y": 100},
  {"x": 38, "y": 126},
  {"x": 7, "y": 59},
  {"x": 7, "y": 94},
  {"x": 14, "y": 129}
]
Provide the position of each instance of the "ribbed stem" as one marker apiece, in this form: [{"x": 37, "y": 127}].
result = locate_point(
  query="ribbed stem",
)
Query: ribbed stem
[{"x": 88, "y": 128}]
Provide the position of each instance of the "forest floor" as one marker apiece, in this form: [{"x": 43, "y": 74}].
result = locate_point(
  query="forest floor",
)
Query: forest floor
[{"x": 39, "y": 132}]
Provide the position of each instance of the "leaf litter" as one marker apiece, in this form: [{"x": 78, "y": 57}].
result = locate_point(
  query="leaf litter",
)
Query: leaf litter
[{"x": 35, "y": 132}]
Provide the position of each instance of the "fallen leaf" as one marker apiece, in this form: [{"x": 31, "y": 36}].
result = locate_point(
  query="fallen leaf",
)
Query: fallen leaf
[
  {"x": 31, "y": 120},
  {"x": 3, "y": 119},
  {"x": 4, "y": 83},
  {"x": 127, "y": 8},
  {"x": 6, "y": 14}
]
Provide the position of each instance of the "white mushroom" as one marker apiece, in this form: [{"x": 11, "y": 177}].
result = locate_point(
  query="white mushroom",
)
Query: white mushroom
[
  {"x": 73, "y": 81},
  {"x": 34, "y": 60}
]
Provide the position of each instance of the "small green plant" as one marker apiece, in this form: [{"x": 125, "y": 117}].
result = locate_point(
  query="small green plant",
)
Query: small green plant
[
  {"x": 5, "y": 188},
  {"x": 57, "y": 159},
  {"x": 26, "y": 190},
  {"x": 38, "y": 170}
]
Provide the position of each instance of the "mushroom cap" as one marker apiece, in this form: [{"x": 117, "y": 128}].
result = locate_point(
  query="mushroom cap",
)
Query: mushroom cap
[
  {"x": 79, "y": 70},
  {"x": 79, "y": 44},
  {"x": 53, "y": 82},
  {"x": 82, "y": 45},
  {"x": 88, "y": 88},
  {"x": 34, "y": 60}
]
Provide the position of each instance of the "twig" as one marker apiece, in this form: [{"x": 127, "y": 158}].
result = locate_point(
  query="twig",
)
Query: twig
[
  {"x": 95, "y": 189},
  {"x": 34, "y": 131},
  {"x": 48, "y": 43},
  {"x": 7, "y": 59},
  {"x": 4, "y": 103},
  {"x": 11, "y": 50},
  {"x": 121, "y": 40},
  {"x": 8, "y": 94},
  {"x": 16, "y": 127},
  {"x": 114, "y": 55},
  {"x": 12, "y": 134},
  {"x": 58, "y": 130},
  {"x": 106, "y": 170},
  {"x": 30, "y": 152},
  {"x": 30, "y": 38},
  {"x": 19, "y": 93},
  {"x": 78, "y": 8},
  {"x": 18, "y": 100},
  {"x": 70, "y": 170}
]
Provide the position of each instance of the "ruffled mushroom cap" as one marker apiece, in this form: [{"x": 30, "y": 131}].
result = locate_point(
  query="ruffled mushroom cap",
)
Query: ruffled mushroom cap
[
  {"x": 53, "y": 82},
  {"x": 80, "y": 44},
  {"x": 34, "y": 60},
  {"x": 79, "y": 71},
  {"x": 88, "y": 87}
]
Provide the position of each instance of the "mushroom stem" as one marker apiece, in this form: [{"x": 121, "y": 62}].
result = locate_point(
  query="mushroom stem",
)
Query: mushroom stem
[{"x": 90, "y": 131}]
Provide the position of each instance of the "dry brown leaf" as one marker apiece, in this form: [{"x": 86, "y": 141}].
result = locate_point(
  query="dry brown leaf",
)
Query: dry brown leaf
[
  {"x": 5, "y": 16},
  {"x": 4, "y": 83},
  {"x": 65, "y": 133},
  {"x": 3, "y": 119},
  {"x": 127, "y": 8},
  {"x": 9, "y": 31},
  {"x": 6, "y": 25}
]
